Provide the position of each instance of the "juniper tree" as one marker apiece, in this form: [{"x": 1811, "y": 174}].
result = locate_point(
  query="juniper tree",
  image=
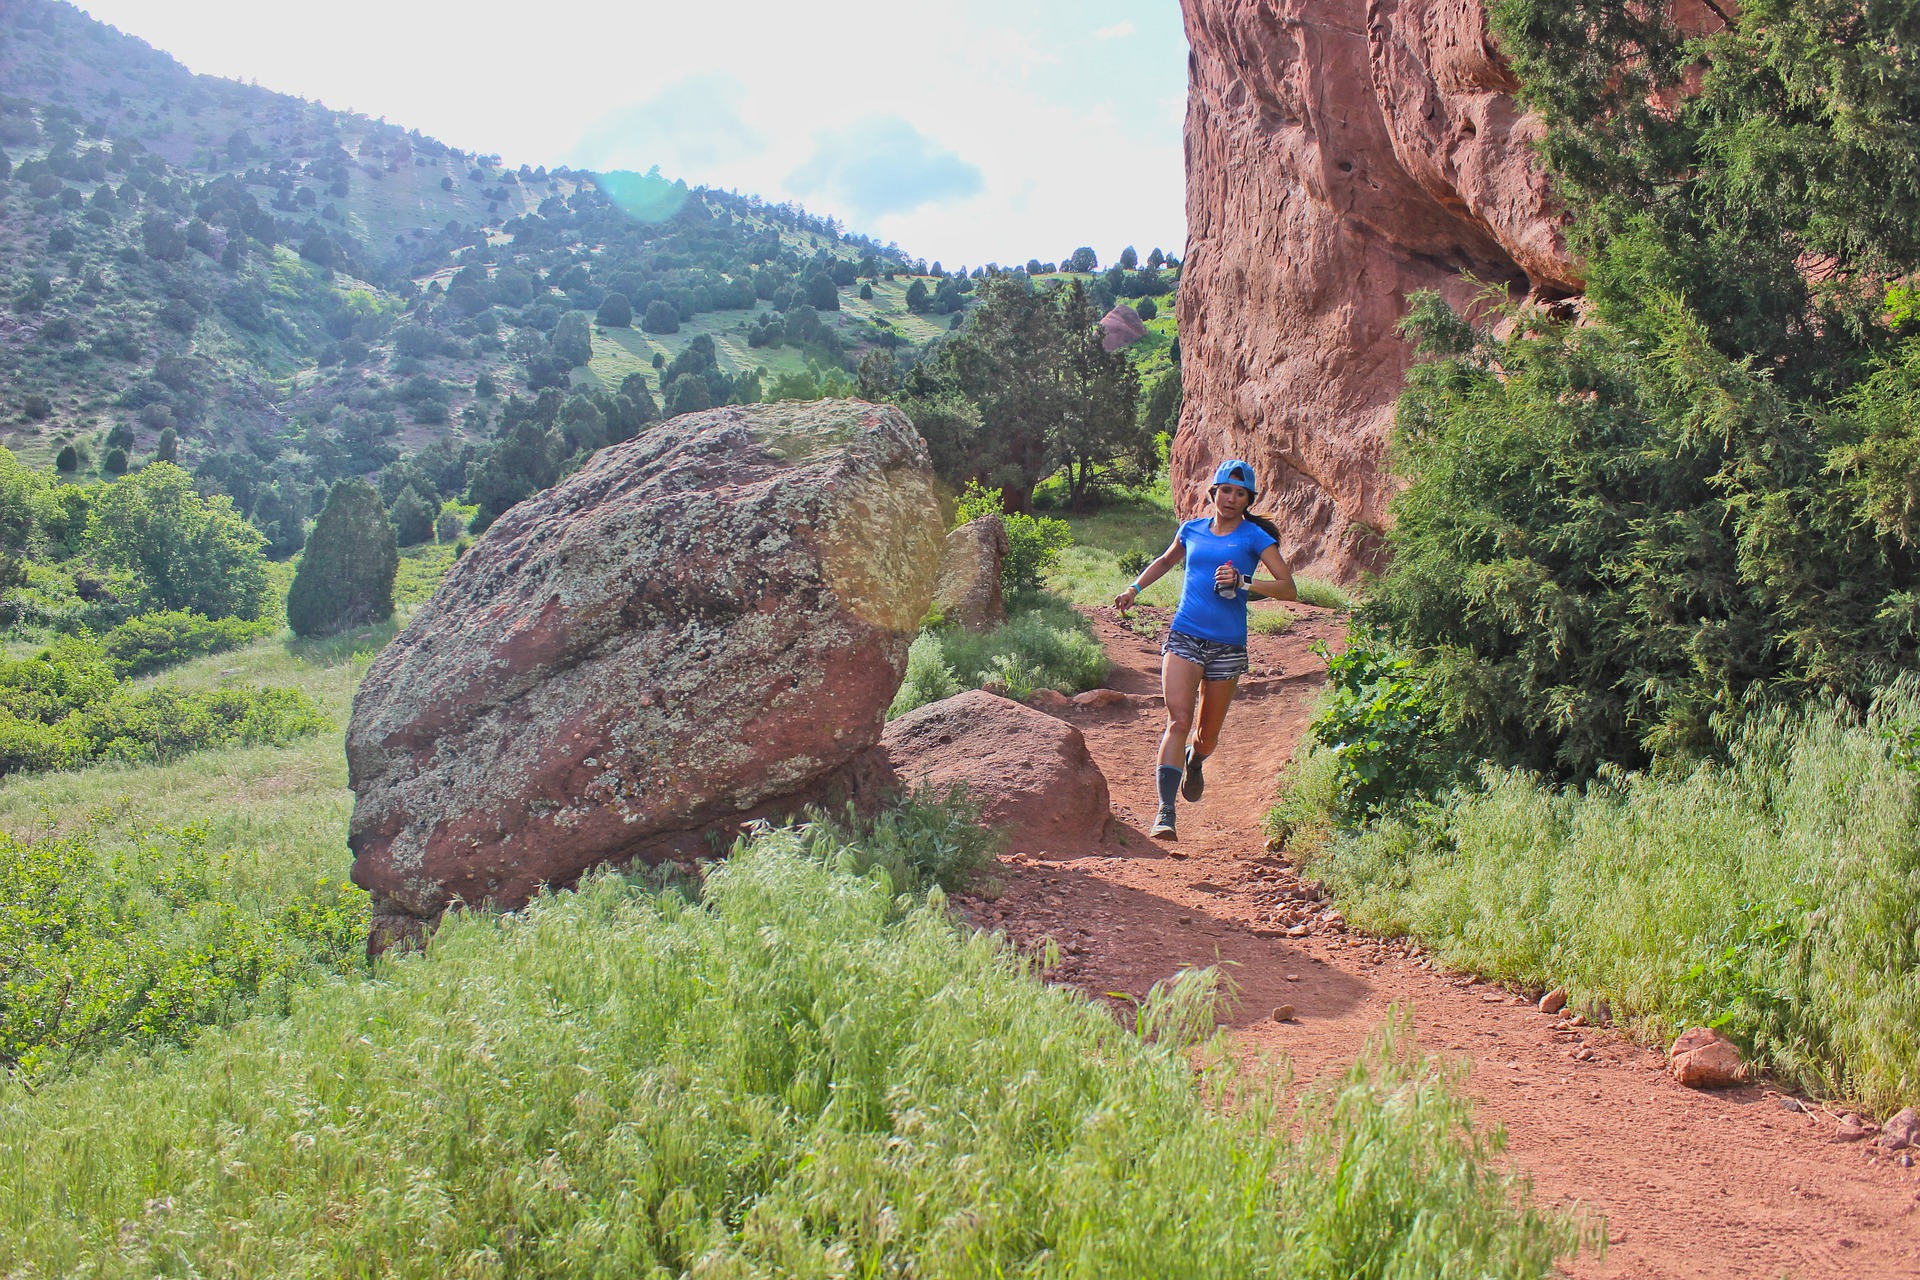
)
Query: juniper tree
[{"x": 345, "y": 578}]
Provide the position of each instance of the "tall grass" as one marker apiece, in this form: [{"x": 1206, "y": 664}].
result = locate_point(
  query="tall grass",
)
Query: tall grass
[
  {"x": 802, "y": 1074},
  {"x": 1044, "y": 644},
  {"x": 1776, "y": 896}
]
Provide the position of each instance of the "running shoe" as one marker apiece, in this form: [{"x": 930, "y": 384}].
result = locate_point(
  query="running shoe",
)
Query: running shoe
[
  {"x": 1163, "y": 825},
  {"x": 1193, "y": 786}
]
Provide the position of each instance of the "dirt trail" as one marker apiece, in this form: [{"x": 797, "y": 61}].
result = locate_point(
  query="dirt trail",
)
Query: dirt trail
[{"x": 1692, "y": 1184}]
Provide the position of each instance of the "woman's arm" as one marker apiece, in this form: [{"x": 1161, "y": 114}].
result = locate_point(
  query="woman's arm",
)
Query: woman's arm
[
  {"x": 1281, "y": 588},
  {"x": 1172, "y": 556}
]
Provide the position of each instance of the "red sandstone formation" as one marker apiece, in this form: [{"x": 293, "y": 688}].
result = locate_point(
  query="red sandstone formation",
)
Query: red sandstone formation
[
  {"x": 1121, "y": 327},
  {"x": 703, "y": 626},
  {"x": 1030, "y": 773},
  {"x": 1341, "y": 154}
]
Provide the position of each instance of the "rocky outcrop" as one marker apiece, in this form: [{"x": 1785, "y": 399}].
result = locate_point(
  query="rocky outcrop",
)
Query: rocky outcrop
[
  {"x": 968, "y": 589},
  {"x": 1341, "y": 155},
  {"x": 1030, "y": 773},
  {"x": 1121, "y": 327},
  {"x": 702, "y": 626}
]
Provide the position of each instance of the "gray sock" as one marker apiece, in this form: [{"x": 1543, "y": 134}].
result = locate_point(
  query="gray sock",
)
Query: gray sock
[{"x": 1169, "y": 784}]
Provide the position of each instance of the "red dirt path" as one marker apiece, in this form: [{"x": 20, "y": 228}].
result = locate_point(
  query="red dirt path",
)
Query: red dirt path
[{"x": 1692, "y": 1184}]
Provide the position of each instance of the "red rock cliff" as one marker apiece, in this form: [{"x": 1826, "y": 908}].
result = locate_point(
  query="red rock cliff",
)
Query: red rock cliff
[{"x": 1341, "y": 154}]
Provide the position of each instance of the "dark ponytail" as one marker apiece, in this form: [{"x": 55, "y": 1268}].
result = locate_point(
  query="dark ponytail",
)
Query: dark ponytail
[{"x": 1267, "y": 526}]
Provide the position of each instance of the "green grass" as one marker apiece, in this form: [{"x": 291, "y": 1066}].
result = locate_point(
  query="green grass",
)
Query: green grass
[
  {"x": 1774, "y": 897},
  {"x": 1089, "y": 574},
  {"x": 803, "y": 1074},
  {"x": 1327, "y": 595},
  {"x": 1044, "y": 644}
]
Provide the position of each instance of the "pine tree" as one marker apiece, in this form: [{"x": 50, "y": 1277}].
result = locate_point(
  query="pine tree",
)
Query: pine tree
[
  {"x": 412, "y": 518},
  {"x": 346, "y": 575}
]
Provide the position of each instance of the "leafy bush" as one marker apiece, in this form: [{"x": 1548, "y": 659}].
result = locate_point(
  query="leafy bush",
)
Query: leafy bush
[
  {"x": 147, "y": 948},
  {"x": 182, "y": 550},
  {"x": 1611, "y": 534},
  {"x": 1381, "y": 721},
  {"x": 65, "y": 707},
  {"x": 1035, "y": 542},
  {"x": 929, "y": 677},
  {"x": 1772, "y": 897},
  {"x": 800, "y": 1068},
  {"x": 922, "y": 839},
  {"x": 145, "y": 644},
  {"x": 1044, "y": 644},
  {"x": 346, "y": 573}
]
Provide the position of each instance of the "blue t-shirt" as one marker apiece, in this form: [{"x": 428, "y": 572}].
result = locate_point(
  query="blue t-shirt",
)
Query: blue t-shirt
[{"x": 1202, "y": 612}]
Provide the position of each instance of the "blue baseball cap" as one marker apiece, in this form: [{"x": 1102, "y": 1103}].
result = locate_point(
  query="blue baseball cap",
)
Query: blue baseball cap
[{"x": 1234, "y": 471}]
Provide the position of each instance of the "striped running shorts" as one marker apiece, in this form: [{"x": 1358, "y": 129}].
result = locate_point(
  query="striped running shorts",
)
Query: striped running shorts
[{"x": 1217, "y": 661}]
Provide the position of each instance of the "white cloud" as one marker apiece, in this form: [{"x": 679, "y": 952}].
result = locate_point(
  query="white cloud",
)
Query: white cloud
[
  {"x": 1072, "y": 139},
  {"x": 882, "y": 164},
  {"x": 1118, "y": 31}
]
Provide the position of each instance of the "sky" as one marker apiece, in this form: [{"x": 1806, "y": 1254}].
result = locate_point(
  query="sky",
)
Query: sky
[{"x": 970, "y": 131}]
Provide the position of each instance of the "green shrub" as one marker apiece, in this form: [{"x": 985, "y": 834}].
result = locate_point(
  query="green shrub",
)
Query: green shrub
[
  {"x": 1044, "y": 644},
  {"x": 346, "y": 573},
  {"x": 180, "y": 550},
  {"x": 1381, "y": 721},
  {"x": 147, "y": 948},
  {"x": 929, "y": 678},
  {"x": 142, "y": 645},
  {"x": 162, "y": 723},
  {"x": 797, "y": 1073},
  {"x": 66, "y": 707},
  {"x": 1034, "y": 542},
  {"x": 923, "y": 838},
  {"x": 1773, "y": 897},
  {"x": 1611, "y": 534}
]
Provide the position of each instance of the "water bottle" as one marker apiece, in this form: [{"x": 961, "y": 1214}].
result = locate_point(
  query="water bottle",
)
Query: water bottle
[{"x": 1229, "y": 592}]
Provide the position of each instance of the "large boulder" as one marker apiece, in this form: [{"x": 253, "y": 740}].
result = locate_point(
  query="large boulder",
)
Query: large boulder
[
  {"x": 1121, "y": 327},
  {"x": 1030, "y": 772},
  {"x": 968, "y": 588},
  {"x": 704, "y": 625}
]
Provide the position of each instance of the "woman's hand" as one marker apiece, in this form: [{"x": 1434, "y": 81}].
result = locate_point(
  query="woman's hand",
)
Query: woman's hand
[
  {"x": 1227, "y": 575},
  {"x": 1124, "y": 601}
]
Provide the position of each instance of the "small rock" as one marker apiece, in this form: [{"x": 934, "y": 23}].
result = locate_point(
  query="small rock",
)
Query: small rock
[
  {"x": 1577, "y": 1020},
  {"x": 1851, "y": 1130},
  {"x": 1298, "y": 931},
  {"x": 1702, "y": 1058},
  {"x": 1049, "y": 700},
  {"x": 1293, "y": 977},
  {"x": 1554, "y": 1001},
  {"x": 1906, "y": 1159},
  {"x": 1099, "y": 698},
  {"x": 1283, "y": 1013},
  {"x": 1792, "y": 1104},
  {"x": 1902, "y": 1131}
]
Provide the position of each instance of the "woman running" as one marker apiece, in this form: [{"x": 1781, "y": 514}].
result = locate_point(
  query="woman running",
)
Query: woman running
[{"x": 1205, "y": 653}]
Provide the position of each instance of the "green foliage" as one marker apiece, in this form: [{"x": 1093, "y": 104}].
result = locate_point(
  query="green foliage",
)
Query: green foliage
[
  {"x": 1028, "y": 389},
  {"x": 345, "y": 578},
  {"x": 65, "y": 707},
  {"x": 412, "y": 518},
  {"x": 1318, "y": 591},
  {"x": 1381, "y": 721},
  {"x": 616, "y": 312},
  {"x": 145, "y": 644},
  {"x": 929, "y": 678},
  {"x": 1611, "y": 535},
  {"x": 1035, "y": 543},
  {"x": 146, "y": 947},
  {"x": 921, "y": 839},
  {"x": 184, "y": 551},
  {"x": 573, "y": 340},
  {"x": 1773, "y": 896},
  {"x": 1795, "y": 147},
  {"x": 641, "y": 1084}
]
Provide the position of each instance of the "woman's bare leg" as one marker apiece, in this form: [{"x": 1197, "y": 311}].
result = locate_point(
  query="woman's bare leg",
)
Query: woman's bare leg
[
  {"x": 1215, "y": 697},
  {"x": 1180, "y": 682}
]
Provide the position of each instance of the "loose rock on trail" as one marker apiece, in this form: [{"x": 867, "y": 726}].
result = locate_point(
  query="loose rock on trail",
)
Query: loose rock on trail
[{"x": 1739, "y": 1182}]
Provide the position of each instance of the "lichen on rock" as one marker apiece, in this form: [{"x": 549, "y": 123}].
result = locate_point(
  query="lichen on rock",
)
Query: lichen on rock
[{"x": 704, "y": 625}]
